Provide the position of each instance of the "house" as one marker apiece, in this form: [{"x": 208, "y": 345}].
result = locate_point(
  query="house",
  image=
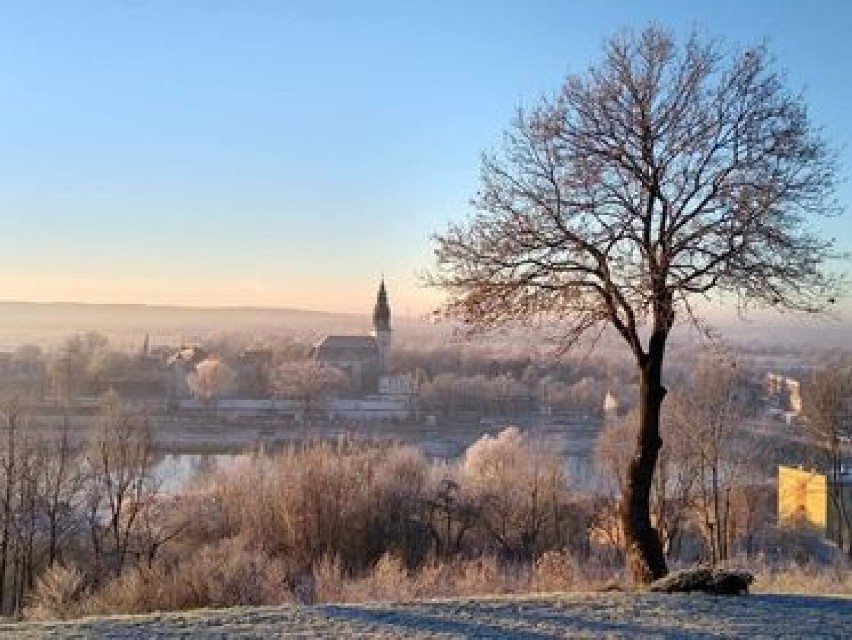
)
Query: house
[
  {"x": 808, "y": 498},
  {"x": 180, "y": 364}
]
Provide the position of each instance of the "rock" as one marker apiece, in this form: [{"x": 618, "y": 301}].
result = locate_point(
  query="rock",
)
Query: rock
[
  {"x": 705, "y": 580},
  {"x": 731, "y": 583}
]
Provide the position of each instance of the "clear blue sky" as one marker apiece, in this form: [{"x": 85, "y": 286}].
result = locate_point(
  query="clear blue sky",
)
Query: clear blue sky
[{"x": 288, "y": 153}]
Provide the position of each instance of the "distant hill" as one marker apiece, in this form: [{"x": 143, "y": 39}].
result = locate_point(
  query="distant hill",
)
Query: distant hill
[
  {"x": 127, "y": 324},
  {"x": 49, "y": 323}
]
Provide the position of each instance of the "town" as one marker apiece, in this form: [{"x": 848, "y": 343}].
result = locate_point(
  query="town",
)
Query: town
[
  {"x": 507, "y": 320},
  {"x": 215, "y": 399}
]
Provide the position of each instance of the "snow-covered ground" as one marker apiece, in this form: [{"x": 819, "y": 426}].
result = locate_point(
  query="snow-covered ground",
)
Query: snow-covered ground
[{"x": 594, "y": 615}]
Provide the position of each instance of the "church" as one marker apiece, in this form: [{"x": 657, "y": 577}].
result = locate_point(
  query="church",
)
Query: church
[{"x": 364, "y": 358}]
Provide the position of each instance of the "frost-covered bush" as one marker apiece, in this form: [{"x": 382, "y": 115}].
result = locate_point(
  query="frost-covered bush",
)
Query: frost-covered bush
[
  {"x": 520, "y": 492},
  {"x": 57, "y": 594}
]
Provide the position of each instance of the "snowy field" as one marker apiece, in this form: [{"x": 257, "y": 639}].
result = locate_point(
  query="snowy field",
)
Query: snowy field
[{"x": 597, "y": 615}]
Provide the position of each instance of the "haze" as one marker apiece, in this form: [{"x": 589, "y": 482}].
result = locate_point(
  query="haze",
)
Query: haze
[{"x": 287, "y": 155}]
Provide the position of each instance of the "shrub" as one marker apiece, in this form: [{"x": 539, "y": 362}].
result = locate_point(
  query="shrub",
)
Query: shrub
[
  {"x": 229, "y": 573},
  {"x": 796, "y": 577},
  {"x": 554, "y": 571},
  {"x": 57, "y": 594}
]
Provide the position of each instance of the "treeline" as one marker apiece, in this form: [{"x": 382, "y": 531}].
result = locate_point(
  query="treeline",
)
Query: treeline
[
  {"x": 481, "y": 379},
  {"x": 88, "y": 365},
  {"x": 91, "y": 505}
]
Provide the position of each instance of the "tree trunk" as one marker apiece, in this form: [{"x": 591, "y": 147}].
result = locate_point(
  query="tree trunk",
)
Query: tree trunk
[
  {"x": 644, "y": 549},
  {"x": 9, "y": 470}
]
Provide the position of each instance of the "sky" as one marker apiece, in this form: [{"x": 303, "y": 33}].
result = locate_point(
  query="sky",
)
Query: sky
[{"x": 289, "y": 154}]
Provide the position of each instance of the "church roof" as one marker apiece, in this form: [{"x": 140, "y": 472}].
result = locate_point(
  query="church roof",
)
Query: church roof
[
  {"x": 353, "y": 349},
  {"x": 347, "y": 349}
]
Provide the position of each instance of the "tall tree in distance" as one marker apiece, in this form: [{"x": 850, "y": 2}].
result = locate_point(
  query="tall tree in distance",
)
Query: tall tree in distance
[
  {"x": 708, "y": 415},
  {"x": 668, "y": 172},
  {"x": 828, "y": 425}
]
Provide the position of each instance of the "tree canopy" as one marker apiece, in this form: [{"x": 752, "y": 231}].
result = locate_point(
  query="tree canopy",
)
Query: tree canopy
[{"x": 662, "y": 173}]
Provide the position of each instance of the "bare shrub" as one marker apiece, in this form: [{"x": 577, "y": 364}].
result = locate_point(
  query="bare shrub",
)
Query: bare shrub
[
  {"x": 344, "y": 521},
  {"x": 519, "y": 489},
  {"x": 398, "y": 495},
  {"x": 796, "y": 545},
  {"x": 235, "y": 572},
  {"x": 554, "y": 571},
  {"x": 328, "y": 582},
  {"x": 229, "y": 573},
  {"x": 480, "y": 577},
  {"x": 810, "y": 577},
  {"x": 140, "y": 590},
  {"x": 436, "y": 579},
  {"x": 388, "y": 580},
  {"x": 57, "y": 594}
]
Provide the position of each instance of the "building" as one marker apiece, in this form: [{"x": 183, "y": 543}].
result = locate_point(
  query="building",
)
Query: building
[
  {"x": 785, "y": 396},
  {"x": 402, "y": 384},
  {"x": 180, "y": 364},
  {"x": 610, "y": 407},
  {"x": 364, "y": 358},
  {"x": 812, "y": 499}
]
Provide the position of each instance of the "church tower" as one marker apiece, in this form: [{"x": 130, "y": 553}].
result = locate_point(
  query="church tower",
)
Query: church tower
[{"x": 382, "y": 326}]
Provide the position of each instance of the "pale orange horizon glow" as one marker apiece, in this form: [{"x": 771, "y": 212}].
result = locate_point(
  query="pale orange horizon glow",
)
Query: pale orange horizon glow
[{"x": 408, "y": 297}]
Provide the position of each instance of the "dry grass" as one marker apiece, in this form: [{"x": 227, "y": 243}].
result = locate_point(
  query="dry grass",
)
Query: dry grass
[
  {"x": 809, "y": 578},
  {"x": 555, "y": 571},
  {"x": 232, "y": 574},
  {"x": 226, "y": 574},
  {"x": 57, "y": 595}
]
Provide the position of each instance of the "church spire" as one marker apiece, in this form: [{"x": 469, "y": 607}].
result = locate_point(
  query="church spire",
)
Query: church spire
[{"x": 381, "y": 312}]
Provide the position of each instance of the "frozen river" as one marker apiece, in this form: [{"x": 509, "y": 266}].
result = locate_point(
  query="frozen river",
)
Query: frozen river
[{"x": 576, "y": 447}]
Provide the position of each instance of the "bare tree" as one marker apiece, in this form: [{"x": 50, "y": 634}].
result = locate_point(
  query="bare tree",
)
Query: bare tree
[
  {"x": 121, "y": 484},
  {"x": 664, "y": 174},
  {"x": 828, "y": 424},
  {"x": 31, "y": 518},
  {"x": 27, "y": 517},
  {"x": 211, "y": 379},
  {"x": 11, "y": 417},
  {"x": 307, "y": 382},
  {"x": 61, "y": 478},
  {"x": 77, "y": 363},
  {"x": 708, "y": 417},
  {"x": 451, "y": 512}
]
